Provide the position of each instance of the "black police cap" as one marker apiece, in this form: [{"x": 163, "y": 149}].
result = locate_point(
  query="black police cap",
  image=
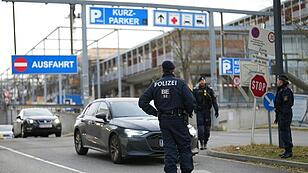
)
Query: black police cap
[
  {"x": 168, "y": 65},
  {"x": 201, "y": 78},
  {"x": 283, "y": 77}
]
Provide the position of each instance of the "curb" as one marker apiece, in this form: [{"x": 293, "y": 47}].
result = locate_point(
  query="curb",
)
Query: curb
[
  {"x": 68, "y": 134},
  {"x": 246, "y": 158}
]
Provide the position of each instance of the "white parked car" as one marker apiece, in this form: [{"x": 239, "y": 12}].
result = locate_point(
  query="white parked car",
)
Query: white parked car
[{"x": 6, "y": 132}]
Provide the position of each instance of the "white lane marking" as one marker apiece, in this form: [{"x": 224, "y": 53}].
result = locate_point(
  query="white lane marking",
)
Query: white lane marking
[{"x": 39, "y": 159}]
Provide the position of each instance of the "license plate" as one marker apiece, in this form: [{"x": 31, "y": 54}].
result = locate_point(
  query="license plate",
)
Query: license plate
[
  {"x": 161, "y": 143},
  {"x": 45, "y": 125},
  {"x": 1, "y": 136}
]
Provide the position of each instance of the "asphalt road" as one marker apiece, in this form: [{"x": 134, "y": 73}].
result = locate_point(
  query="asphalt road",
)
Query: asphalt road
[{"x": 48, "y": 155}]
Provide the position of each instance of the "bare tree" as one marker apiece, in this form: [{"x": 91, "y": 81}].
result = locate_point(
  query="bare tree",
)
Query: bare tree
[{"x": 188, "y": 54}]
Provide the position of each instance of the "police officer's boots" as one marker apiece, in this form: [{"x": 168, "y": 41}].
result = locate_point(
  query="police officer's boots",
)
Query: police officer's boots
[
  {"x": 201, "y": 145},
  {"x": 288, "y": 153}
]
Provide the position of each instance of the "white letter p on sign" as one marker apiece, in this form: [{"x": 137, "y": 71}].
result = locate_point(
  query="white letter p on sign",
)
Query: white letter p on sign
[{"x": 95, "y": 14}]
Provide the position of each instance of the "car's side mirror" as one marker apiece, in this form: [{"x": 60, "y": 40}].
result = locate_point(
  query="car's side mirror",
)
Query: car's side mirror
[
  {"x": 102, "y": 116},
  {"x": 18, "y": 117}
]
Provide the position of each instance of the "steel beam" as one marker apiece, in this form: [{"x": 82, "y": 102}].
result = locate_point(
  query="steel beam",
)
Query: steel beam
[
  {"x": 149, "y": 5},
  {"x": 84, "y": 58},
  {"x": 278, "y": 37},
  {"x": 213, "y": 54}
]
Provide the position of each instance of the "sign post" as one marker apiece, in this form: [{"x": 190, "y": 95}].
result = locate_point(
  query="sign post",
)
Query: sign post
[
  {"x": 268, "y": 102},
  {"x": 258, "y": 87}
]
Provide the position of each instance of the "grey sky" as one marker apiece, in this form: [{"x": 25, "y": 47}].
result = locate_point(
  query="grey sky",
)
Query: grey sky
[{"x": 35, "y": 21}]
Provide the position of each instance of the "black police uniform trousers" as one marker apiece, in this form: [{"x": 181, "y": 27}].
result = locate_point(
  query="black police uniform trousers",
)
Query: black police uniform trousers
[
  {"x": 285, "y": 135},
  {"x": 204, "y": 124},
  {"x": 177, "y": 143}
]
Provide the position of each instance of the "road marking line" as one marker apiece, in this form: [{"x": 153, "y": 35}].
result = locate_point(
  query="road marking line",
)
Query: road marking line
[{"x": 39, "y": 159}]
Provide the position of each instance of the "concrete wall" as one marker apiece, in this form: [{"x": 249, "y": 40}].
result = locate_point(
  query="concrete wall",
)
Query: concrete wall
[
  {"x": 241, "y": 118},
  {"x": 3, "y": 117},
  {"x": 68, "y": 121}
]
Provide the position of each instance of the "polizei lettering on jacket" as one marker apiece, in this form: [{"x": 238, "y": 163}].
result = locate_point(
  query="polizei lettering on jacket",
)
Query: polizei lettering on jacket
[
  {"x": 52, "y": 64},
  {"x": 166, "y": 83}
]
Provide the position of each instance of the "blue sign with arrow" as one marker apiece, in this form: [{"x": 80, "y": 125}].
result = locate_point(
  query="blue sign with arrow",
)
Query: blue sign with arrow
[
  {"x": 118, "y": 16},
  {"x": 268, "y": 101}
]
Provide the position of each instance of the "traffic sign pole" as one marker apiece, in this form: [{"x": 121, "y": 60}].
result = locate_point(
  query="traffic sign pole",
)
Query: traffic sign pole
[
  {"x": 268, "y": 102},
  {"x": 270, "y": 127},
  {"x": 84, "y": 58},
  {"x": 252, "y": 141}
]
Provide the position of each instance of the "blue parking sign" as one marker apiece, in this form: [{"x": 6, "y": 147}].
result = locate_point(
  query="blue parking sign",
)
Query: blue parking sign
[
  {"x": 229, "y": 66},
  {"x": 118, "y": 16}
]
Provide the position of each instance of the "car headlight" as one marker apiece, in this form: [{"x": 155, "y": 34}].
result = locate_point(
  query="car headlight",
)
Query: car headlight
[
  {"x": 131, "y": 132},
  {"x": 30, "y": 121},
  {"x": 192, "y": 130},
  {"x": 56, "y": 121}
]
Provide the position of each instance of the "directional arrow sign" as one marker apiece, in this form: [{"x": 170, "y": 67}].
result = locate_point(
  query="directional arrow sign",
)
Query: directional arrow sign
[
  {"x": 268, "y": 101},
  {"x": 161, "y": 18}
]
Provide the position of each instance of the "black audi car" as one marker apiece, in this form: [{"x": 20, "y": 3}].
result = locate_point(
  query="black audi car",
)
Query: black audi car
[
  {"x": 118, "y": 127},
  {"x": 36, "y": 122}
]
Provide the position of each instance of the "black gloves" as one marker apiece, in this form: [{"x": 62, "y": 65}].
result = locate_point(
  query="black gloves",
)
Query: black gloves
[{"x": 216, "y": 114}]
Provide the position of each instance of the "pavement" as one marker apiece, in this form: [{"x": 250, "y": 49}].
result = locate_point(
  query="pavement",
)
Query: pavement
[
  {"x": 44, "y": 155},
  {"x": 242, "y": 138}
]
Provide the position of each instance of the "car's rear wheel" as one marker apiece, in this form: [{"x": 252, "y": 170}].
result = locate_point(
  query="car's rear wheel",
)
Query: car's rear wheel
[
  {"x": 115, "y": 149},
  {"x": 15, "y": 136},
  {"x": 79, "y": 145}
]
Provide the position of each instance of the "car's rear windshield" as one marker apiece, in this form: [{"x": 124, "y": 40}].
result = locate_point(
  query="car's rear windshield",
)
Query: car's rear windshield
[
  {"x": 37, "y": 112},
  {"x": 126, "y": 109}
]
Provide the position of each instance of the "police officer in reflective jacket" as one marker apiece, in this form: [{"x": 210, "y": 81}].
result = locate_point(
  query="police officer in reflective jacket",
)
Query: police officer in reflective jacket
[
  {"x": 174, "y": 103},
  {"x": 205, "y": 98},
  {"x": 284, "y": 101}
]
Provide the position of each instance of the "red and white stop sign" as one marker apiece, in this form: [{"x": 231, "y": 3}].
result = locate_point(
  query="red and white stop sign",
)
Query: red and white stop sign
[
  {"x": 258, "y": 85},
  {"x": 20, "y": 64}
]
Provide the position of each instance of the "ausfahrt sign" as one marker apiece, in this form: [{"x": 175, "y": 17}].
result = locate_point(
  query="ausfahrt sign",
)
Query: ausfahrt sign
[{"x": 45, "y": 64}]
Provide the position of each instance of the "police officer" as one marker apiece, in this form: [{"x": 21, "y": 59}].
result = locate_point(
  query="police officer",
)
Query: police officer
[
  {"x": 205, "y": 98},
  {"x": 174, "y": 103},
  {"x": 284, "y": 101}
]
